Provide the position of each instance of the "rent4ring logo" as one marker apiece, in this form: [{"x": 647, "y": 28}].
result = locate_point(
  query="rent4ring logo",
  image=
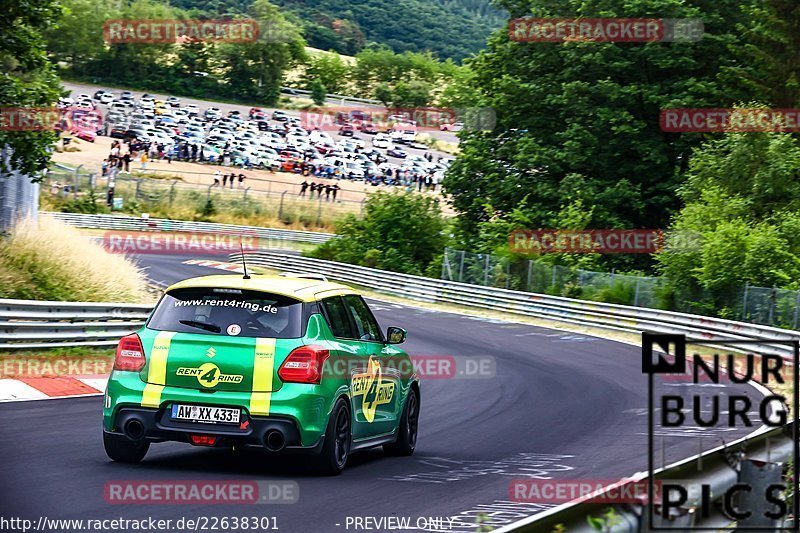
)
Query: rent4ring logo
[{"x": 722, "y": 397}]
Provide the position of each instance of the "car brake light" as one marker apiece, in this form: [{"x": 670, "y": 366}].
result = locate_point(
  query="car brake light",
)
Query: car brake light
[
  {"x": 203, "y": 440},
  {"x": 130, "y": 354},
  {"x": 304, "y": 365}
]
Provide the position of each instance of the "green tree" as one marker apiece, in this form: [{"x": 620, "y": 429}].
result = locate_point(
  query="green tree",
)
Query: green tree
[
  {"x": 329, "y": 69},
  {"x": 579, "y": 121},
  {"x": 401, "y": 232},
  {"x": 741, "y": 221},
  {"x": 28, "y": 79},
  {"x": 318, "y": 92},
  {"x": 770, "y": 65},
  {"x": 255, "y": 70}
]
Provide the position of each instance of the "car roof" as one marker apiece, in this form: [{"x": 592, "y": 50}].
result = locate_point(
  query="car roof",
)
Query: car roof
[{"x": 304, "y": 289}]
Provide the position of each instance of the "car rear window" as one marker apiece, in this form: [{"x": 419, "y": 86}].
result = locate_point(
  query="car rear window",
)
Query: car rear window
[{"x": 229, "y": 312}]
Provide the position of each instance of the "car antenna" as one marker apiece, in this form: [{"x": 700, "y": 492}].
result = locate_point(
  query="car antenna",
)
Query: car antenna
[{"x": 244, "y": 263}]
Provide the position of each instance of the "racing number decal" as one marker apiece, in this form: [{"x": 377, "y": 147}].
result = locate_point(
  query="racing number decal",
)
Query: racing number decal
[
  {"x": 372, "y": 388},
  {"x": 157, "y": 369},
  {"x": 263, "y": 366}
]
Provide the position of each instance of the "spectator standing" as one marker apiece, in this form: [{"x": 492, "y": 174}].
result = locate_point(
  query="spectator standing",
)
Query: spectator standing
[
  {"x": 303, "y": 188},
  {"x": 335, "y": 189},
  {"x": 241, "y": 181},
  {"x": 225, "y": 179}
]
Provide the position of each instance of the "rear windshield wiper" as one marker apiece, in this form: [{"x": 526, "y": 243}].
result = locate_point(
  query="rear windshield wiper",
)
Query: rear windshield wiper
[{"x": 201, "y": 325}]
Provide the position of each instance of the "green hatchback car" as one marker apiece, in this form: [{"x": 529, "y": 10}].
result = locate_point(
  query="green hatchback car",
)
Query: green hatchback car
[{"x": 289, "y": 363}]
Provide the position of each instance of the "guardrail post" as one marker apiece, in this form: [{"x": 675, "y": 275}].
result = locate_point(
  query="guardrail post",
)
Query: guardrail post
[
  {"x": 461, "y": 268},
  {"x": 361, "y": 211},
  {"x": 636, "y": 292},
  {"x": 796, "y": 310},
  {"x": 244, "y": 195},
  {"x": 319, "y": 211},
  {"x": 280, "y": 207},
  {"x": 744, "y": 300},
  {"x": 530, "y": 273},
  {"x": 486, "y": 271},
  {"x": 772, "y": 300},
  {"x": 75, "y": 183},
  {"x": 138, "y": 186},
  {"x": 172, "y": 191},
  {"x": 208, "y": 193},
  {"x": 758, "y": 476}
]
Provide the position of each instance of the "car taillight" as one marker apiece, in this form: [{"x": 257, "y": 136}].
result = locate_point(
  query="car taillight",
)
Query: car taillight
[
  {"x": 203, "y": 440},
  {"x": 130, "y": 354},
  {"x": 304, "y": 365}
]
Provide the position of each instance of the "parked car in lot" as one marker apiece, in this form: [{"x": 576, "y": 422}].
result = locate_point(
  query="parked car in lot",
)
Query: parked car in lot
[
  {"x": 396, "y": 152},
  {"x": 367, "y": 127},
  {"x": 280, "y": 116},
  {"x": 382, "y": 141},
  {"x": 455, "y": 126}
]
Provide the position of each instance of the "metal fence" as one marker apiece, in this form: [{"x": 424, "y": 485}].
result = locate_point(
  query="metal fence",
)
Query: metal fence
[
  {"x": 142, "y": 192},
  {"x": 759, "y": 305},
  {"x": 537, "y": 276},
  {"x": 19, "y": 195}
]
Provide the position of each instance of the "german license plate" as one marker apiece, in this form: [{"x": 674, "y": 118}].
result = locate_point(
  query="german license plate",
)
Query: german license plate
[{"x": 205, "y": 415}]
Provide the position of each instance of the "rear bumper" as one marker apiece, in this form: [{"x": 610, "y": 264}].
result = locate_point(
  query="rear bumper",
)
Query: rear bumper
[
  {"x": 158, "y": 427},
  {"x": 299, "y": 410}
]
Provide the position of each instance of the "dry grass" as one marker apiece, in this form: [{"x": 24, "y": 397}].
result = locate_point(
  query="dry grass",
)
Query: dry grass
[{"x": 47, "y": 260}]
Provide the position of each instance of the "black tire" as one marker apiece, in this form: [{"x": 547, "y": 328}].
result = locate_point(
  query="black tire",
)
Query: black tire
[
  {"x": 409, "y": 427},
  {"x": 338, "y": 439},
  {"x": 124, "y": 450}
]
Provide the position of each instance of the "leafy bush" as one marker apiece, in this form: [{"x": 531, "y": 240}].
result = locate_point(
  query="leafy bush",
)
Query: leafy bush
[{"x": 401, "y": 232}]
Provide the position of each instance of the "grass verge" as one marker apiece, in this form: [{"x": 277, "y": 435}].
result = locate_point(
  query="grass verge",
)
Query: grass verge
[{"x": 47, "y": 260}]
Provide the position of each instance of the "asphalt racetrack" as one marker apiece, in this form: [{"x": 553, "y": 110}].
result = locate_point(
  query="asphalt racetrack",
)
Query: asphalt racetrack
[{"x": 553, "y": 405}]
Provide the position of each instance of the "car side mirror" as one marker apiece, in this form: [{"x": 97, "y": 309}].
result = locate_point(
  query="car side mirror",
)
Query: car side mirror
[{"x": 395, "y": 335}]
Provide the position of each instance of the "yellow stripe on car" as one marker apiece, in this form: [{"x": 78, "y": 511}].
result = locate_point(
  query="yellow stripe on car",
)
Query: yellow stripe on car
[
  {"x": 157, "y": 369},
  {"x": 263, "y": 367}
]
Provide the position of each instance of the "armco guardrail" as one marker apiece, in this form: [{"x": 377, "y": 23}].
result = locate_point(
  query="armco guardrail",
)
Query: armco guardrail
[
  {"x": 554, "y": 308},
  {"x": 293, "y": 91},
  {"x": 26, "y": 324},
  {"x": 116, "y": 222}
]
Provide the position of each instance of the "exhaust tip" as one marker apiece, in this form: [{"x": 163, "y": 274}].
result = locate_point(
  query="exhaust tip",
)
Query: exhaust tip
[
  {"x": 274, "y": 440},
  {"x": 134, "y": 429}
]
